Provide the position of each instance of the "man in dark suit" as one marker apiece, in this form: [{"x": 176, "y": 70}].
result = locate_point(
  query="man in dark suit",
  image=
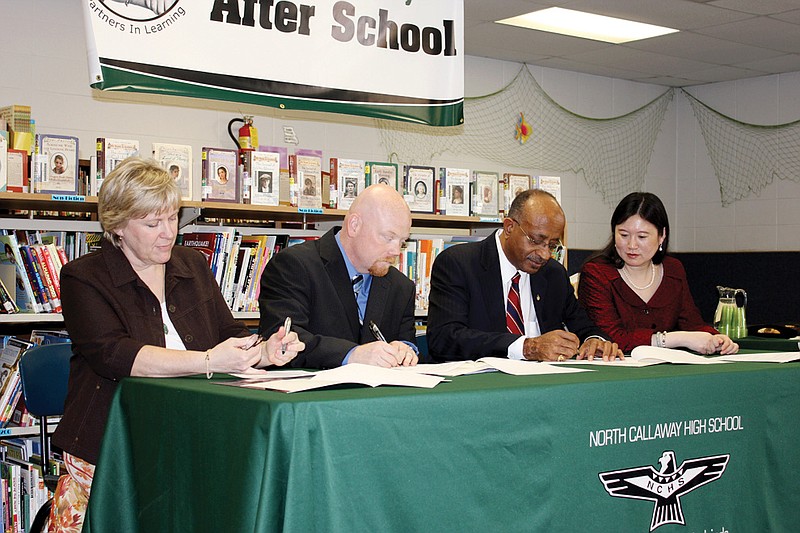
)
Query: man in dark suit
[
  {"x": 333, "y": 287},
  {"x": 505, "y": 297}
]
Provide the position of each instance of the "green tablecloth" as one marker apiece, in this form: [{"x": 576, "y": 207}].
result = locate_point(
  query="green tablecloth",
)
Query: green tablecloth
[{"x": 488, "y": 452}]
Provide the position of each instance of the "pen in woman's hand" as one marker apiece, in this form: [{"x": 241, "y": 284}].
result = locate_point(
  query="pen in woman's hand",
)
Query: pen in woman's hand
[{"x": 287, "y": 327}]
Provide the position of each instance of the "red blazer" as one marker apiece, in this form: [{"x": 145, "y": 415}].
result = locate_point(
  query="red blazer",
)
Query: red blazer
[{"x": 630, "y": 322}]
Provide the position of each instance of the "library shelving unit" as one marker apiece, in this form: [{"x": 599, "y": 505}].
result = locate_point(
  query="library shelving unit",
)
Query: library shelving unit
[{"x": 47, "y": 212}]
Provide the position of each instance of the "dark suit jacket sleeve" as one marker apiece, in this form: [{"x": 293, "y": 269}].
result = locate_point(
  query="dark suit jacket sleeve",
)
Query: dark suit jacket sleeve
[
  {"x": 459, "y": 326},
  {"x": 286, "y": 290},
  {"x": 308, "y": 282}
]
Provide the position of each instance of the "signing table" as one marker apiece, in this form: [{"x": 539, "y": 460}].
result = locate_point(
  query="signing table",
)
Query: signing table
[{"x": 714, "y": 446}]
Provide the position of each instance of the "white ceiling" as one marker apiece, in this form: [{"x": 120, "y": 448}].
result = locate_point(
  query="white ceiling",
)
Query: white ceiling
[{"x": 719, "y": 40}]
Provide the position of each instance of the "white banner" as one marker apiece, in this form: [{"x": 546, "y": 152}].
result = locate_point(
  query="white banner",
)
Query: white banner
[{"x": 397, "y": 59}]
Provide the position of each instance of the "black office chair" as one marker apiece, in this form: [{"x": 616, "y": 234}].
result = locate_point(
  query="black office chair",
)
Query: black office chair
[{"x": 44, "y": 373}]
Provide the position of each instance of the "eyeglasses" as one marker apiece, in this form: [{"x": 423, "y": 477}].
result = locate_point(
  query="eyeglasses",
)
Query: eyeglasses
[{"x": 554, "y": 247}]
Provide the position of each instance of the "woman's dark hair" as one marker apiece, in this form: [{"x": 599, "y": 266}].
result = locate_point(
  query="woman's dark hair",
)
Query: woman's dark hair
[{"x": 648, "y": 206}]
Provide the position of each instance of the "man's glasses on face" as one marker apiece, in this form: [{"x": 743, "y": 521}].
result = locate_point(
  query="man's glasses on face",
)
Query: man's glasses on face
[{"x": 553, "y": 246}]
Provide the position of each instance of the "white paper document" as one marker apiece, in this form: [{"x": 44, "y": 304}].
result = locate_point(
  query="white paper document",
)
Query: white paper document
[
  {"x": 353, "y": 373},
  {"x": 488, "y": 364},
  {"x": 260, "y": 373},
  {"x": 671, "y": 355},
  {"x": 766, "y": 357},
  {"x": 627, "y": 362}
]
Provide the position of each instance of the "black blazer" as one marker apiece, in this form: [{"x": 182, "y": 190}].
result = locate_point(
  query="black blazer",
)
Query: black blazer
[
  {"x": 309, "y": 282},
  {"x": 466, "y": 314}
]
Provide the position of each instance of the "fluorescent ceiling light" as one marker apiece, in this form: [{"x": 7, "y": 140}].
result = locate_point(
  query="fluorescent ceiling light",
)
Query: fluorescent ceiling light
[{"x": 586, "y": 25}]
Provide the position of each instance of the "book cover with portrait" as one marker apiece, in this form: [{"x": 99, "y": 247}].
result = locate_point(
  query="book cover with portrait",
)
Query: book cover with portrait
[
  {"x": 110, "y": 153},
  {"x": 484, "y": 193},
  {"x": 265, "y": 177},
  {"x": 455, "y": 184},
  {"x": 513, "y": 184},
  {"x": 377, "y": 172},
  {"x": 55, "y": 164},
  {"x": 220, "y": 179},
  {"x": 348, "y": 179},
  {"x": 177, "y": 160},
  {"x": 306, "y": 170},
  {"x": 419, "y": 188}
]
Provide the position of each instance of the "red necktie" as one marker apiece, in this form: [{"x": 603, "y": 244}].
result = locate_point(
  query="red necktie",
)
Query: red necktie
[{"x": 513, "y": 309}]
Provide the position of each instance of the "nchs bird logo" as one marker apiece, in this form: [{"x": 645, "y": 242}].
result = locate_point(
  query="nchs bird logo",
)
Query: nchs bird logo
[{"x": 666, "y": 485}]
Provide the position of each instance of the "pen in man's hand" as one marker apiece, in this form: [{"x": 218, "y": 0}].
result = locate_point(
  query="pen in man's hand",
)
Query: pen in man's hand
[
  {"x": 287, "y": 327},
  {"x": 376, "y": 332}
]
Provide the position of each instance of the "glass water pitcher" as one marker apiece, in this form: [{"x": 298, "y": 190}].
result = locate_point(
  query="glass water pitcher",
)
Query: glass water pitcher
[{"x": 729, "y": 317}]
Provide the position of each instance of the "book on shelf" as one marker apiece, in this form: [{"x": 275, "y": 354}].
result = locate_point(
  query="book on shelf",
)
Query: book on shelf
[
  {"x": 264, "y": 170},
  {"x": 34, "y": 272},
  {"x": 3, "y": 163},
  {"x": 455, "y": 184},
  {"x": 263, "y": 247},
  {"x": 378, "y": 172},
  {"x": 17, "y": 171},
  {"x": 484, "y": 193},
  {"x": 347, "y": 180},
  {"x": 306, "y": 172},
  {"x": 12, "y": 350},
  {"x": 177, "y": 160},
  {"x": 229, "y": 275},
  {"x": 220, "y": 175},
  {"x": 49, "y": 336},
  {"x": 44, "y": 263},
  {"x": 110, "y": 153},
  {"x": 204, "y": 242},
  {"x": 551, "y": 184},
  {"x": 513, "y": 184},
  {"x": 10, "y": 255},
  {"x": 284, "y": 171},
  {"x": 17, "y": 117},
  {"x": 244, "y": 262},
  {"x": 8, "y": 302},
  {"x": 419, "y": 188},
  {"x": 55, "y": 164},
  {"x": 427, "y": 250},
  {"x": 10, "y": 394}
]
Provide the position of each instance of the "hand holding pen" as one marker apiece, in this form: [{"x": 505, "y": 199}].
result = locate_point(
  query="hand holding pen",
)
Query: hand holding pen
[{"x": 280, "y": 348}]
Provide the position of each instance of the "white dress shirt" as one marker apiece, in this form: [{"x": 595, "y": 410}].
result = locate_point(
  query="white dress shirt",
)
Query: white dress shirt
[{"x": 507, "y": 271}]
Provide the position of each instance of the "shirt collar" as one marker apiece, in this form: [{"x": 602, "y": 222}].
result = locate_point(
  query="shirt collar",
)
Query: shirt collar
[
  {"x": 351, "y": 270},
  {"x": 507, "y": 270}
]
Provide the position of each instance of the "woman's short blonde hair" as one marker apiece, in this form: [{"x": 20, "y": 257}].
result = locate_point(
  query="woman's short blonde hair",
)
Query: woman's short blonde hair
[{"x": 134, "y": 189}]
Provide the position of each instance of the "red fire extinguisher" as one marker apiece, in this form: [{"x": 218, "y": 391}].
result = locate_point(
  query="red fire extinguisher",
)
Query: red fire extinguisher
[{"x": 247, "y": 140}]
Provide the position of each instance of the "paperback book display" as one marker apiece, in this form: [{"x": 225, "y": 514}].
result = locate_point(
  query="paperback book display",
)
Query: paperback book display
[
  {"x": 455, "y": 185},
  {"x": 220, "y": 179},
  {"x": 306, "y": 171},
  {"x": 419, "y": 188},
  {"x": 55, "y": 164},
  {"x": 348, "y": 179},
  {"x": 513, "y": 184},
  {"x": 377, "y": 172},
  {"x": 484, "y": 195},
  {"x": 551, "y": 184},
  {"x": 17, "y": 171},
  {"x": 110, "y": 153},
  {"x": 264, "y": 169},
  {"x": 177, "y": 160}
]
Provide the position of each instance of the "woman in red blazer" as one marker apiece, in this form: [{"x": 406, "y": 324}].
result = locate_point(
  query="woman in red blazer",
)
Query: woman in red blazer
[{"x": 637, "y": 293}]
